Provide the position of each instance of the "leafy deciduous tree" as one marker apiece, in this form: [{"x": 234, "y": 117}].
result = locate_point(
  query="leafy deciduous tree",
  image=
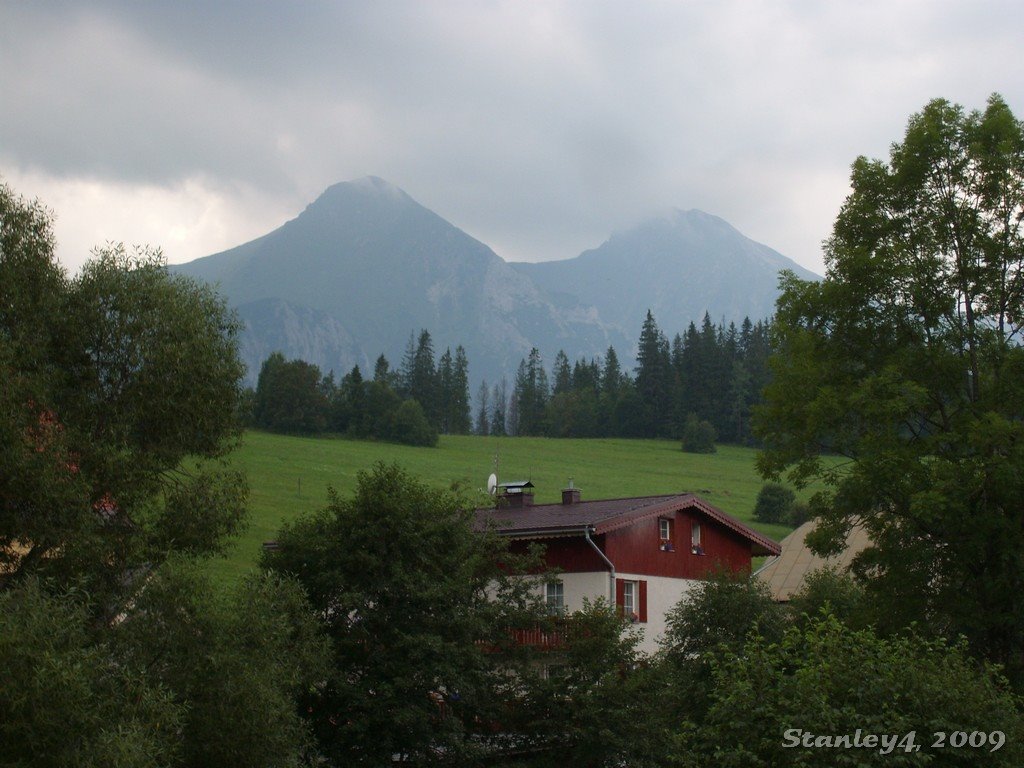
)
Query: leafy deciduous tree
[
  {"x": 111, "y": 380},
  {"x": 774, "y": 503},
  {"x": 290, "y": 396},
  {"x": 413, "y": 600},
  {"x": 829, "y": 681},
  {"x": 907, "y": 360}
]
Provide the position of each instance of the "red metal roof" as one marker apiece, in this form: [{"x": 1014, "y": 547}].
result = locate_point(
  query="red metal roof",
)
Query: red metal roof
[{"x": 543, "y": 521}]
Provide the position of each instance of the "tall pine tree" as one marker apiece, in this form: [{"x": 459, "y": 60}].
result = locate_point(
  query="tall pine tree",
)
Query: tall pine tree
[
  {"x": 654, "y": 379},
  {"x": 459, "y": 415},
  {"x": 483, "y": 421}
]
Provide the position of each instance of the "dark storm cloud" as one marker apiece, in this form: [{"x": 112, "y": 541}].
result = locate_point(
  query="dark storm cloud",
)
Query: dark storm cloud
[{"x": 536, "y": 127}]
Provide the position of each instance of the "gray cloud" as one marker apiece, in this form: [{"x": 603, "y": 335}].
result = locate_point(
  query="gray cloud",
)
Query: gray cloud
[{"x": 537, "y": 127}]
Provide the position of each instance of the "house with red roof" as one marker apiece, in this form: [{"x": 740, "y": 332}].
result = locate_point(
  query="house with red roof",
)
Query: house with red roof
[{"x": 642, "y": 554}]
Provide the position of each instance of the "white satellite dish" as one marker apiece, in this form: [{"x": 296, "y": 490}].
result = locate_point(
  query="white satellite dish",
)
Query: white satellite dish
[{"x": 492, "y": 483}]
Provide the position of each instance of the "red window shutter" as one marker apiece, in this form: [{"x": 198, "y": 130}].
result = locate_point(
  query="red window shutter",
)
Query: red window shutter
[
  {"x": 642, "y": 613},
  {"x": 620, "y": 594}
]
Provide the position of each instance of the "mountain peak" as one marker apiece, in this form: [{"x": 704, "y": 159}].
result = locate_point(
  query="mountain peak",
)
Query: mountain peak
[
  {"x": 375, "y": 185},
  {"x": 367, "y": 189},
  {"x": 679, "y": 219},
  {"x": 680, "y": 264}
]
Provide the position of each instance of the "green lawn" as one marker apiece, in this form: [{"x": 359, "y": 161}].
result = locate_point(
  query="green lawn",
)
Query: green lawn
[{"x": 290, "y": 475}]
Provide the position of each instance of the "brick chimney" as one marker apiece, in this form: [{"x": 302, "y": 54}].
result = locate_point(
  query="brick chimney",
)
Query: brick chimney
[
  {"x": 570, "y": 495},
  {"x": 516, "y": 495}
]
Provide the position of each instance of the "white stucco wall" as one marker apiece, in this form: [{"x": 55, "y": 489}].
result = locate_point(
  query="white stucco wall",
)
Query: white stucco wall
[{"x": 662, "y": 594}]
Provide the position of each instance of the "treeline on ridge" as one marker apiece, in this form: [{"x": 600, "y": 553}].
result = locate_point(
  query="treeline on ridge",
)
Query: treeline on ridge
[
  {"x": 699, "y": 387},
  {"x": 411, "y": 405},
  {"x": 710, "y": 375}
]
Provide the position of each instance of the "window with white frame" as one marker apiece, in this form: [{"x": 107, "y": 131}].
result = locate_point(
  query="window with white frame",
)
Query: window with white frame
[
  {"x": 629, "y": 599},
  {"x": 665, "y": 529},
  {"x": 695, "y": 543},
  {"x": 554, "y": 597}
]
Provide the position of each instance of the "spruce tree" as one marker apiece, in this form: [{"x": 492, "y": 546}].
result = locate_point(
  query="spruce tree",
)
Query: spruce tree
[
  {"x": 561, "y": 373},
  {"x": 382, "y": 370},
  {"x": 459, "y": 417},
  {"x": 483, "y": 423},
  {"x": 499, "y": 409},
  {"x": 423, "y": 381},
  {"x": 654, "y": 378},
  {"x": 444, "y": 392}
]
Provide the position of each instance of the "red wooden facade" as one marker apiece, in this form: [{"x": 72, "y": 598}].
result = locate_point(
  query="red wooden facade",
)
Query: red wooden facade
[
  {"x": 646, "y": 536},
  {"x": 638, "y": 549}
]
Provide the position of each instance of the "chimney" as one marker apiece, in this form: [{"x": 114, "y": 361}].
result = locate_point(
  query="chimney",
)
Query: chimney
[
  {"x": 519, "y": 499},
  {"x": 518, "y": 494},
  {"x": 570, "y": 495}
]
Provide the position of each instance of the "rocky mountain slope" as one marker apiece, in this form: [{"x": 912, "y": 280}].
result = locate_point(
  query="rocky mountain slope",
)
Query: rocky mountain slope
[{"x": 365, "y": 266}]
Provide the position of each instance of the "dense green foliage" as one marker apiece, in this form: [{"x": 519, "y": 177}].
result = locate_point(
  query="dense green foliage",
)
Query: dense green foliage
[
  {"x": 828, "y": 680},
  {"x": 698, "y": 436},
  {"x": 719, "y": 612},
  {"x": 714, "y": 374},
  {"x": 234, "y": 664},
  {"x": 413, "y": 600},
  {"x": 411, "y": 406},
  {"x": 66, "y": 699},
  {"x": 835, "y": 592},
  {"x": 774, "y": 503},
  {"x": 113, "y": 650},
  {"x": 111, "y": 380},
  {"x": 185, "y": 678},
  {"x": 290, "y": 397},
  {"x": 907, "y": 361},
  {"x": 593, "y": 701}
]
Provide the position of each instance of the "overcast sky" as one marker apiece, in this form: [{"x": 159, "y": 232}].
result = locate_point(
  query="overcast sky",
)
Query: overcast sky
[{"x": 537, "y": 127}]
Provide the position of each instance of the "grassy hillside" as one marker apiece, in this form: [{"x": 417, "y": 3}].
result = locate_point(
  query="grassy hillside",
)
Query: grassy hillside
[{"x": 290, "y": 475}]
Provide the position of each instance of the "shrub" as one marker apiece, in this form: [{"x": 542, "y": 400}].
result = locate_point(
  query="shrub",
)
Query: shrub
[
  {"x": 799, "y": 514},
  {"x": 409, "y": 425},
  {"x": 831, "y": 591},
  {"x": 698, "y": 436},
  {"x": 774, "y": 504}
]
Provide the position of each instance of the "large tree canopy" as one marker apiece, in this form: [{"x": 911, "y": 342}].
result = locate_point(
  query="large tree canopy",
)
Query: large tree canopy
[
  {"x": 109, "y": 381},
  {"x": 115, "y": 650},
  {"x": 906, "y": 362},
  {"x": 416, "y": 602},
  {"x": 787, "y": 702}
]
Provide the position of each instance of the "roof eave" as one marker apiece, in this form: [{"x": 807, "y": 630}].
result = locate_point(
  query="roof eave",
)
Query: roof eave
[{"x": 544, "y": 532}]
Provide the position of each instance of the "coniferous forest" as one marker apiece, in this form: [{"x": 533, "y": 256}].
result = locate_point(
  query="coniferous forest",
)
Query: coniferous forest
[{"x": 707, "y": 378}]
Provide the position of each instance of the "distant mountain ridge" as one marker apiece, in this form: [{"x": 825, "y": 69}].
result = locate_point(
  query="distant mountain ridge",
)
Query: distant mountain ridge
[
  {"x": 365, "y": 265},
  {"x": 381, "y": 266},
  {"x": 679, "y": 265}
]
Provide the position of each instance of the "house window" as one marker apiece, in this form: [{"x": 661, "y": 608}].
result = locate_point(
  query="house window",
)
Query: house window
[
  {"x": 631, "y": 598},
  {"x": 695, "y": 543},
  {"x": 665, "y": 543},
  {"x": 554, "y": 597},
  {"x": 629, "y": 605}
]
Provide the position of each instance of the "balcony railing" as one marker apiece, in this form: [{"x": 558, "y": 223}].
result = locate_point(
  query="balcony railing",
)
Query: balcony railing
[{"x": 537, "y": 637}]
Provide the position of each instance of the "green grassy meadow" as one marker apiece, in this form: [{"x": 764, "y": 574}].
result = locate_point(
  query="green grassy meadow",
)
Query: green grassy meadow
[{"x": 289, "y": 476}]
